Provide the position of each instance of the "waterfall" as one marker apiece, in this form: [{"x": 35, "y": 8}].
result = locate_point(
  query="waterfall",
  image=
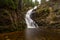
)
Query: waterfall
[{"x": 30, "y": 23}]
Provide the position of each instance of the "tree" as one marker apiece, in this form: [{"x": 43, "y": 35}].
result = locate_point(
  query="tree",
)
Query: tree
[
  {"x": 20, "y": 4},
  {"x": 36, "y": 2},
  {"x": 9, "y": 3}
]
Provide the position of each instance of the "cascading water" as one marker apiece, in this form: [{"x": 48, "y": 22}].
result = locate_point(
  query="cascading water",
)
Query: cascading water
[
  {"x": 32, "y": 28},
  {"x": 30, "y": 23}
]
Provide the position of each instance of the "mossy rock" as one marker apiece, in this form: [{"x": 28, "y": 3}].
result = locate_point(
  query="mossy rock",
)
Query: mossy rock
[{"x": 47, "y": 16}]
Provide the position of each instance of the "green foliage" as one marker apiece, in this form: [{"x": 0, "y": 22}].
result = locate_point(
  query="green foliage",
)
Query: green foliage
[
  {"x": 9, "y": 3},
  {"x": 29, "y": 3},
  {"x": 10, "y": 22}
]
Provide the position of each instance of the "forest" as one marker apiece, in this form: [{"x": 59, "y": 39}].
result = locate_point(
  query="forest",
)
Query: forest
[
  {"x": 12, "y": 14},
  {"x": 12, "y": 18}
]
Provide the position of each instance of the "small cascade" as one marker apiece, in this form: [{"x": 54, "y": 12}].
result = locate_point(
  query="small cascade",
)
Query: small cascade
[{"x": 30, "y": 23}]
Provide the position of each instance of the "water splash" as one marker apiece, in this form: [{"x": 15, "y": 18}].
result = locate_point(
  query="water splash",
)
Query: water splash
[{"x": 30, "y": 23}]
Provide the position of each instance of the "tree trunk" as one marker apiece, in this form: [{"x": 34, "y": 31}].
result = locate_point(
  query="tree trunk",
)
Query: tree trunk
[{"x": 20, "y": 4}]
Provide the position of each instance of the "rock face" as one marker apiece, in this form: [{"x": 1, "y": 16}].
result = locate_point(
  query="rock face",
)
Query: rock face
[{"x": 47, "y": 16}]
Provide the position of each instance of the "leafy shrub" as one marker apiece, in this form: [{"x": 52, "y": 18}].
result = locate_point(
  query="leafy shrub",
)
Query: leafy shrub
[{"x": 9, "y": 3}]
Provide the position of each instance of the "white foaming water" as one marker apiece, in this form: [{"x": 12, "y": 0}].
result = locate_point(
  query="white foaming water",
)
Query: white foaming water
[{"x": 30, "y": 23}]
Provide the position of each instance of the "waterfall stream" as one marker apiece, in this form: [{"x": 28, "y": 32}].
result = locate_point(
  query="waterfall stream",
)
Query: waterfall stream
[
  {"x": 32, "y": 29},
  {"x": 30, "y": 23}
]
